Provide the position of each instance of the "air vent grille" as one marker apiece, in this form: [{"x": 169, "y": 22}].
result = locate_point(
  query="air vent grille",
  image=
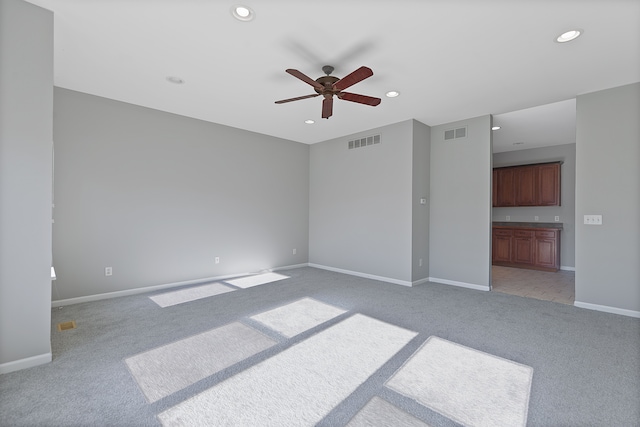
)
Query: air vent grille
[
  {"x": 455, "y": 133},
  {"x": 363, "y": 142},
  {"x": 64, "y": 326}
]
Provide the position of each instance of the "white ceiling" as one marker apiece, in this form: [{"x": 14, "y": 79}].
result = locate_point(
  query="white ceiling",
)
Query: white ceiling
[
  {"x": 542, "y": 126},
  {"x": 450, "y": 59}
]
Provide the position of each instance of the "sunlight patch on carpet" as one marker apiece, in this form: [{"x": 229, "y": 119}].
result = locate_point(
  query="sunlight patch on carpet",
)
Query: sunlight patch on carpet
[
  {"x": 379, "y": 412},
  {"x": 190, "y": 294},
  {"x": 172, "y": 367},
  {"x": 299, "y": 386},
  {"x": 297, "y": 317},
  {"x": 258, "y": 279},
  {"x": 466, "y": 385}
]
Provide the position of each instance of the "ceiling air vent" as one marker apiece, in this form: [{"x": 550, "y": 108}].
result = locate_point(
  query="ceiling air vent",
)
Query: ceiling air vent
[
  {"x": 455, "y": 133},
  {"x": 363, "y": 142}
]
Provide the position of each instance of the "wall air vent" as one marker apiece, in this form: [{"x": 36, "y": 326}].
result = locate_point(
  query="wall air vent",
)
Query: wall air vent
[
  {"x": 455, "y": 133},
  {"x": 363, "y": 142}
]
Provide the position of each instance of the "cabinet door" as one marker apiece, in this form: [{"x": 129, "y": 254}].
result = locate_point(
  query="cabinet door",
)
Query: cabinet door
[
  {"x": 548, "y": 185},
  {"x": 525, "y": 185},
  {"x": 547, "y": 246},
  {"x": 523, "y": 247},
  {"x": 501, "y": 245},
  {"x": 505, "y": 187}
]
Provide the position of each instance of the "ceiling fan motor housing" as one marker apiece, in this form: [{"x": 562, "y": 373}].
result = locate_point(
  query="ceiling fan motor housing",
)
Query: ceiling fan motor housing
[{"x": 327, "y": 82}]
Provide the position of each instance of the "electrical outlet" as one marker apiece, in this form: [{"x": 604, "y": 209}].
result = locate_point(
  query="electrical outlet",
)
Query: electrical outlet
[
  {"x": 108, "y": 271},
  {"x": 557, "y": 218},
  {"x": 536, "y": 218},
  {"x": 295, "y": 251},
  {"x": 217, "y": 260},
  {"x": 420, "y": 262},
  {"x": 508, "y": 218}
]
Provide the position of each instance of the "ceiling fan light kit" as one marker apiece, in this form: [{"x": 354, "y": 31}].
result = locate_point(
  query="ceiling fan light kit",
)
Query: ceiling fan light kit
[{"x": 329, "y": 85}]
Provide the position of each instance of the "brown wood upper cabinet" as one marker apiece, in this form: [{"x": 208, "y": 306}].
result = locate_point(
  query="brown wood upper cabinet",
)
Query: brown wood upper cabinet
[{"x": 528, "y": 185}]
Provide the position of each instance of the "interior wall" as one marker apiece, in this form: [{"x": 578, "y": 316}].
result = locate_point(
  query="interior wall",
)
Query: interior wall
[
  {"x": 420, "y": 213},
  {"x": 26, "y": 109},
  {"x": 361, "y": 204},
  {"x": 567, "y": 154},
  {"x": 608, "y": 184},
  {"x": 460, "y": 209},
  {"x": 157, "y": 197}
]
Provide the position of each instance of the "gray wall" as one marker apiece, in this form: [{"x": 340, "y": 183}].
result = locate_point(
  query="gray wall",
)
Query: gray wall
[
  {"x": 608, "y": 183},
  {"x": 420, "y": 213},
  {"x": 361, "y": 204},
  {"x": 158, "y": 196},
  {"x": 26, "y": 104},
  {"x": 567, "y": 210},
  {"x": 460, "y": 210}
]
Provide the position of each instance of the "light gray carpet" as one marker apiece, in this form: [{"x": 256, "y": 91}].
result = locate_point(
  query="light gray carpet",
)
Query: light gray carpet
[
  {"x": 466, "y": 385},
  {"x": 190, "y": 294},
  {"x": 586, "y": 363},
  {"x": 299, "y": 386},
  {"x": 379, "y": 412},
  {"x": 256, "y": 280},
  {"x": 297, "y": 317},
  {"x": 164, "y": 370}
]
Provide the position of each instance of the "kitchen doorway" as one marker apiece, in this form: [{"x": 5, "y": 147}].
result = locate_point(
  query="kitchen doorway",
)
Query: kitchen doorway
[{"x": 534, "y": 136}]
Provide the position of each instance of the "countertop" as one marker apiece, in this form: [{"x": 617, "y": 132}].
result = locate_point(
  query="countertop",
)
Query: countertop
[{"x": 528, "y": 224}]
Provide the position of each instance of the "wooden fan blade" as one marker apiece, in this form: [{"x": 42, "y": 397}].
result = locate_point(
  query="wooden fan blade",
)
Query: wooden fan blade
[
  {"x": 305, "y": 78},
  {"x": 327, "y": 108},
  {"x": 282, "y": 101},
  {"x": 353, "y": 78},
  {"x": 360, "y": 99}
]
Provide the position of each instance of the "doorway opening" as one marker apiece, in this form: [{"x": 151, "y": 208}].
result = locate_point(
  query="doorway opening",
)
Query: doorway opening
[{"x": 530, "y": 140}]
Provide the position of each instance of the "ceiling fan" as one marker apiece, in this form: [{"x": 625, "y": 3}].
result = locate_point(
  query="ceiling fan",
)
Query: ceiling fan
[{"x": 329, "y": 85}]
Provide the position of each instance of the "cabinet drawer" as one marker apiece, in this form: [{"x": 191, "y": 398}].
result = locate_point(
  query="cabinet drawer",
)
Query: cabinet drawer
[
  {"x": 545, "y": 234},
  {"x": 505, "y": 233},
  {"x": 522, "y": 233}
]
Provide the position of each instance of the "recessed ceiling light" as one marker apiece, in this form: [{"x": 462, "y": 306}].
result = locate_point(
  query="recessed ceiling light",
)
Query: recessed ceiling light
[
  {"x": 495, "y": 128},
  {"x": 567, "y": 36},
  {"x": 176, "y": 80},
  {"x": 309, "y": 122},
  {"x": 242, "y": 13},
  {"x": 392, "y": 94}
]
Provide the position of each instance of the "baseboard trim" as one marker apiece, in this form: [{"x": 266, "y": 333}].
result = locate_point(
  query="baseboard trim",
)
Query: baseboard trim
[
  {"x": 419, "y": 282},
  {"x": 567, "y": 268},
  {"x": 460, "y": 284},
  {"x": 364, "y": 275},
  {"x": 607, "y": 309},
  {"x": 136, "y": 291},
  {"x": 291, "y": 267},
  {"x": 28, "y": 362}
]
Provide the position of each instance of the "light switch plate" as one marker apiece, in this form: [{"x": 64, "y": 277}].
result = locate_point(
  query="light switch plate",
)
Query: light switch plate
[{"x": 593, "y": 219}]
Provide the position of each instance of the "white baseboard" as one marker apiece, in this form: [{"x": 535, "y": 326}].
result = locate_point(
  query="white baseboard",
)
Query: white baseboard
[
  {"x": 419, "y": 282},
  {"x": 567, "y": 268},
  {"x": 607, "y": 309},
  {"x": 461, "y": 284},
  {"x": 108, "y": 295},
  {"x": 290, "y": 267},
  {"x": 364, "y": 275},
  {"x": 25, "y": 363}
]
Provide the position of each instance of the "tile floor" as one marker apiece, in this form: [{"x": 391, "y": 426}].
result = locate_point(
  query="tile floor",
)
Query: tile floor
[{"x": 558, "y": 286}]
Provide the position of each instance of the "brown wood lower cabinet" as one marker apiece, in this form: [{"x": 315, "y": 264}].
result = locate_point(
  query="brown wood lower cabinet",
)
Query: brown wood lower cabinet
[{"x": 534, "y": 248}]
